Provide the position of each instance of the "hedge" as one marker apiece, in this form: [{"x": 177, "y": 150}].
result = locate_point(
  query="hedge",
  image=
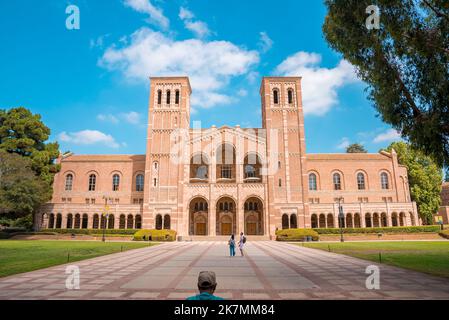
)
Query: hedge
[
  {"x": 418, "y": 229},
  {"x": 296, "y": 234},
  {"x": 92, "y": 231},
  {"x": 156, "y": 235},
  {"x": 444, "y": 234}
]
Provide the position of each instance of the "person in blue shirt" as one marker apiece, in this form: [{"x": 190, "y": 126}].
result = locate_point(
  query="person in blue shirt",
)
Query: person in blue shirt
[
  {"x": 231, "y": 244},
  {"x": 207, "y": 284}
]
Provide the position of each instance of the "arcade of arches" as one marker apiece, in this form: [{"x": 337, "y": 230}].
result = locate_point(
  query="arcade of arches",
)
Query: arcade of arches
[
  {"x": 225, "y": 214},
  {"x": 368, "y": 220}
]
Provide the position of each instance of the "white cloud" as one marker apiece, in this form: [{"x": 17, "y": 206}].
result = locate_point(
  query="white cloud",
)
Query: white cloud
[
  {"x": 108, "y": 118},
  {"x": 185, "y": 14},
  {"x": 98, "y": 42},
  {"x": 89, "y": 137},
  {"x": 132, "y": 117},
  {"x": 156, "y": 15},
  {"x": 319, "y": 85},
  {"x": 209, "y": 64},
  {"x": 242, "y": 93},
  {"x": 265, "y": 43},
  {"x": 199, "y": 28},
  {"x": 388, "y": 136},
  {"x": 343, "y": 144}
]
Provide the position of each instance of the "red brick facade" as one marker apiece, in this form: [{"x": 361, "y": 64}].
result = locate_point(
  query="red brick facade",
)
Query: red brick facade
[{"x": 217, "y": 181}]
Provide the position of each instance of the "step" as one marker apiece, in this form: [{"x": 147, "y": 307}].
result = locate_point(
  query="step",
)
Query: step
[{"x": 222, "y": 238}]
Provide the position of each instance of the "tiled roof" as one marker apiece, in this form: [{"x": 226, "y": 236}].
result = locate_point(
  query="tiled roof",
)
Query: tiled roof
[
  {"x": 347, "y": 156},
  {"x": 104, "y": 158}
]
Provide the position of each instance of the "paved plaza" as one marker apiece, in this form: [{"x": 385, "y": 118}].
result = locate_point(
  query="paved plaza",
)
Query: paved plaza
[{"x": 270, "y": 270}]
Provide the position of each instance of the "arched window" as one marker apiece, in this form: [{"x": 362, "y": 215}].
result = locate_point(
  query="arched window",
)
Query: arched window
[
  {"x": 68, "y": 182},
  {"x": 115, "y": 182},
  {"x": 384, "y": 181},
  {"x": 92, "y": 182},
  {"x": 280, "y": 182},
  {"x": 250, "y": 171},
  {"x": 140, "y": 182},
  {"x": 177, "y": 97},
  {"x": 155, "y": 165},
  {"x": 154, "y": 182},
  {"x": 130, "y": 222},
  {"x": 312, "y": 182},
  {"x": 276, "y": 96},
  {"x": 361, "y": 181},
  {"x": 159, "y": 97},
  {"x": 168, "y": 97},
  {"x": 290, "y": 96},
  {"x": 337, "y": 181},
  {"x": 122, "y": 222}
]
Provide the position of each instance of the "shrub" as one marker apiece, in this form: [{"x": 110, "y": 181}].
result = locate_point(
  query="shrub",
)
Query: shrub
[
  {"x": 156, "y": 235},
  {"x": 296, "y": 234},
  {"x": 129, "y": 232},
  {"x": 417, "y": 229},
  {"x": 444, "y": 234}
]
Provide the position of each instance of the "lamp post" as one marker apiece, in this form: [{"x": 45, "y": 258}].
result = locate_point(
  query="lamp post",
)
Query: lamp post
[
  {"x": 341, "y": 217},
  {"x": 105, "y": 217}
]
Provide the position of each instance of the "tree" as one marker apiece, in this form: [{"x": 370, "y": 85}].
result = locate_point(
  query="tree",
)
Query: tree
[
  {"x": 356, "y": 148},
  {"x": 24, "y": 133},
  {"x": 425, "y": 179},
  {"x": 21, "y": 190},
  {"x": 405, "y": 64}
]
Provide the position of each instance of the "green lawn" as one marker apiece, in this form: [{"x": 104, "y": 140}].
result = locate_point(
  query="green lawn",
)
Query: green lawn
[
  {"x": 17, "y": 256},
  {"x": 425, "y": 256}
]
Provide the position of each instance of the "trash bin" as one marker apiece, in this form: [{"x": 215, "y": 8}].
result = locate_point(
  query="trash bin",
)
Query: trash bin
[{"x": 309, "y": 238}]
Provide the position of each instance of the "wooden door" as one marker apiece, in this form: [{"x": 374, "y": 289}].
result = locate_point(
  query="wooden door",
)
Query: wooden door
[
  {"x": 226, "y": 229},
  {"x": 251, "y": 228},
  {"x": 201, "y": 229}
]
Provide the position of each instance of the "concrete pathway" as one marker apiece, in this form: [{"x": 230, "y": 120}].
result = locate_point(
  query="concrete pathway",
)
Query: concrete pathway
[{"x": 270, "y": 270}]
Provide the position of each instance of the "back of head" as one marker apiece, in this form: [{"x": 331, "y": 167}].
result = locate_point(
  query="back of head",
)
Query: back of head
[{"x": 207, "y": 281}]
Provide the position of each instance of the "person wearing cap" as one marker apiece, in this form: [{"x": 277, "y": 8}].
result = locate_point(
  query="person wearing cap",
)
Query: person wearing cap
[{"x": 207, "y": 284}]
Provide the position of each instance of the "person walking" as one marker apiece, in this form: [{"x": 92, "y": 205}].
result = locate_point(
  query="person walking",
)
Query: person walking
[
  {"x": 242, "y": 242},
  {"x": 231, "y": 244}
]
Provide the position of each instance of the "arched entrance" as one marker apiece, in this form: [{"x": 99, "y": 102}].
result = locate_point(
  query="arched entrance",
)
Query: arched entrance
[
  {"x": 198, "y": 216},
  {"x": 226, "y": 217},
  {"x": 253, "y": 209}
]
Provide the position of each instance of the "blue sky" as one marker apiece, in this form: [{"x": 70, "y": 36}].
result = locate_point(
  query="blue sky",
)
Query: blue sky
[{"x": 91, "y": 85}]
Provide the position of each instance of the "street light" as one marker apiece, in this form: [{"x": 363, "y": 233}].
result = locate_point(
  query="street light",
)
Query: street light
[
  {"x": 341, "y": 217},
  {"x": 105, "y": 217}
]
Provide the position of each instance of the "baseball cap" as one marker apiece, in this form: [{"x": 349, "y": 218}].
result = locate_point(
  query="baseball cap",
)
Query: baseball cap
[{"x": 206, "y": 279}]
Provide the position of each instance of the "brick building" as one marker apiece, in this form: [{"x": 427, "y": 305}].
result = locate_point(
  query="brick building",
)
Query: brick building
[
  {"x": 218, "y": 181},
  {"x": 443, "y": 212}
]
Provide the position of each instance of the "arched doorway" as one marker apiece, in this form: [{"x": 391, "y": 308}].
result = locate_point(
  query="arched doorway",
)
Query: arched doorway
[
  {"x": 357, "y": 222},
  {"x": 122, "y": 222},
  {"x": 226, "y": 216},
  {"x": 394, "y": 219},
  {"x": 368, "y": 223},
  {"x": 158, "y": 222},
  {"x": 402, "y": 219},
  {"x": 51, "y": 221},
  {"x": 376, "y": 222},
  {"x": 130, "y": 222},
  {"x": 85, "y": 221},
  {"x": 293, "y": 221},
  {"x": 167, "y": 222},
  {"x": 198, "y": 216},
  {"x": 96, "y": 222},
  {"x": 384, "y": 220},
  {"x": 285, "y": 224},
  {"x": 58, "y": 221},
  {"x": 314, "y": 220},
  {"x": 69, "y": 221},
  {"x": 253, "y": 210},
  {"x": 77, "y": 221}
]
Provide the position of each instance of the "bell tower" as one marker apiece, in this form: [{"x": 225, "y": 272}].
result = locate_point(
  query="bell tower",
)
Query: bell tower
[
  {"x": 283, "y": 118},
  {"x": 168, "y": 117}
]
